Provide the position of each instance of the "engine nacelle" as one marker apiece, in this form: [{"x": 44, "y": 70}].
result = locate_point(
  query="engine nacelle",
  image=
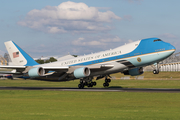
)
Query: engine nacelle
[
  {"x": 134, "y": 72},
  {"x": 81, "y": 72},
  {"x": 36, "y": 72}
]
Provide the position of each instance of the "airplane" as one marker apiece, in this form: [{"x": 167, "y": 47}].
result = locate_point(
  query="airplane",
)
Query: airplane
[{"x": 128, "y": 59}]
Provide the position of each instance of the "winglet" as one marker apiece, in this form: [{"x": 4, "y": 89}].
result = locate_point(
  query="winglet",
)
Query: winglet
[{"x": 19, "y": 56}]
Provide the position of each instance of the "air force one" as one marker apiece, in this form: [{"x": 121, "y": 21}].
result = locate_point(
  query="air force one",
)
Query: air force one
[{"x": 128, "y": 59}]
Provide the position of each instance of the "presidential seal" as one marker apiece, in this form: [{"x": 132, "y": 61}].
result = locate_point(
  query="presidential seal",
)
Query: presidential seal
[{"x": 139, "y": 59}]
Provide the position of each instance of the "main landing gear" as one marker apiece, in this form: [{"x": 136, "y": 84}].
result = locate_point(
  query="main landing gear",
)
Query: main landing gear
[
  {"x": 86, "y": 82},
  {"x": 107, "y": 81},
  {"x": 89, "y": 83}
]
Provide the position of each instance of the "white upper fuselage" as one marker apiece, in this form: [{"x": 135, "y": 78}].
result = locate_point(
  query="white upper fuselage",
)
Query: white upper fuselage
[{"x": 95, "y": 56}]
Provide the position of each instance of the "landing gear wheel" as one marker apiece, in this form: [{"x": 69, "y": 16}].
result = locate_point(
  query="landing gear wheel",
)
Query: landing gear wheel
[
  {"x": 155, "y": 72},
  {"x": 81, "y": 86},
  {"x": 107, "y": 80},
  {"x": 94, "y": 83},
  {"x": 90, "y": 85},
  {"x": 81, "y": 82},
  {"x": 106, "y": 84}
]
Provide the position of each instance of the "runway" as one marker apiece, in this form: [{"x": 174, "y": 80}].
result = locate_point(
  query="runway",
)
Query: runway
[{"x": 112, "y": 89}]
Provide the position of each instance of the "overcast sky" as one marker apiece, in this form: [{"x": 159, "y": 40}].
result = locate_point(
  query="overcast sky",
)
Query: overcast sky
[{"x": 59, "y": 27}]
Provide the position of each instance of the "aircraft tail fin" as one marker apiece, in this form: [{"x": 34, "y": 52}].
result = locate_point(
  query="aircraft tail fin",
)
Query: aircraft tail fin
[{"x": 18, "y": 56}]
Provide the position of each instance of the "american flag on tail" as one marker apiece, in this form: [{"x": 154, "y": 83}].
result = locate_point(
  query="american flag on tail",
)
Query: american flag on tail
[{"x": 15, "y": 54}]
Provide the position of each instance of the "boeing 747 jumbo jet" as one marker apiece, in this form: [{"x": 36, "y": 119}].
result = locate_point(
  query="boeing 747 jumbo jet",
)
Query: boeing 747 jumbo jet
[{"x": 128, "y": 59}]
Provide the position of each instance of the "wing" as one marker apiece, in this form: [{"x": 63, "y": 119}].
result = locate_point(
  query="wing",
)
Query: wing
[
  {"x": 19, "y": 69},
  {"x": 53, "y": 71},
  {"x": 63, "y": 72}
]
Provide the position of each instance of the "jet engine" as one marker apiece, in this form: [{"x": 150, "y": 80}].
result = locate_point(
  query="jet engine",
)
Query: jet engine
[
  {"x": 134, "y": 72},
  {"x": 81, "y": 72},
  {"x": 36, "y": 72}
]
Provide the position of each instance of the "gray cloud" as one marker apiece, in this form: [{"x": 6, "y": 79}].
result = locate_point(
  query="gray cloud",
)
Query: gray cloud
[
  {"x": 96, "y": 42},
  {"x": 90, "y": 44},
  {"x": 86, "y": 44},
  {"x": 69, "y": 17}
]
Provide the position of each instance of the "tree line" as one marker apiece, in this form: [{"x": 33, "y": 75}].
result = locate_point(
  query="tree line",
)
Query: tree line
[{"x": 51, "y": 59}]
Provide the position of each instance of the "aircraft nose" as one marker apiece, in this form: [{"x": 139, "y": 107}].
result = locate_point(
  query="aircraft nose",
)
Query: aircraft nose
[{"x": 171, "y": 47}]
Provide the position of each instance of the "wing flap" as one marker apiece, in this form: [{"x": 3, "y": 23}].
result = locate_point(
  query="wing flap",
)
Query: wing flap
[
  {"x": 9, "y": 72},
  {"x": 100, "y": 66}
]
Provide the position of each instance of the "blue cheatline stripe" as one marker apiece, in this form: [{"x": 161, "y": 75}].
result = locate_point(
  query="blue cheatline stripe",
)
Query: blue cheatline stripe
[
  {"x": 146, "y": 46},
  {"x": 30, "y": 60}
]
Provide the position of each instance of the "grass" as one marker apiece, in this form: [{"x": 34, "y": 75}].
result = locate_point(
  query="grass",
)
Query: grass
[
  {"x": 68, "y": 105},
  {"x": 115, "y": 83},
  {"x": 162, "y": 80}
]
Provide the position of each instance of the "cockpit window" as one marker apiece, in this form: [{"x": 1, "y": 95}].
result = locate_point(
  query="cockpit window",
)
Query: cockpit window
[{"x": 157, "y": 40}]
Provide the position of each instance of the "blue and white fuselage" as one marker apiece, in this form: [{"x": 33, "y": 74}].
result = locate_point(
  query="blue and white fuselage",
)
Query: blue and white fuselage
[
  {"x": 129, "y": 58},
  {"x": 136, "y": 54}
]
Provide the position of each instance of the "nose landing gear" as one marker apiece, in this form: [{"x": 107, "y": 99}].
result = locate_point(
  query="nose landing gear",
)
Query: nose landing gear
[
  {"x": 155, "y": 71},
  {"x": 156, "y": 68}
]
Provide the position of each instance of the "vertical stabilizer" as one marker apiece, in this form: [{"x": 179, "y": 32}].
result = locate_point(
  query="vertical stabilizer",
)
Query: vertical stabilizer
[{"x": 18, "y": 56}]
